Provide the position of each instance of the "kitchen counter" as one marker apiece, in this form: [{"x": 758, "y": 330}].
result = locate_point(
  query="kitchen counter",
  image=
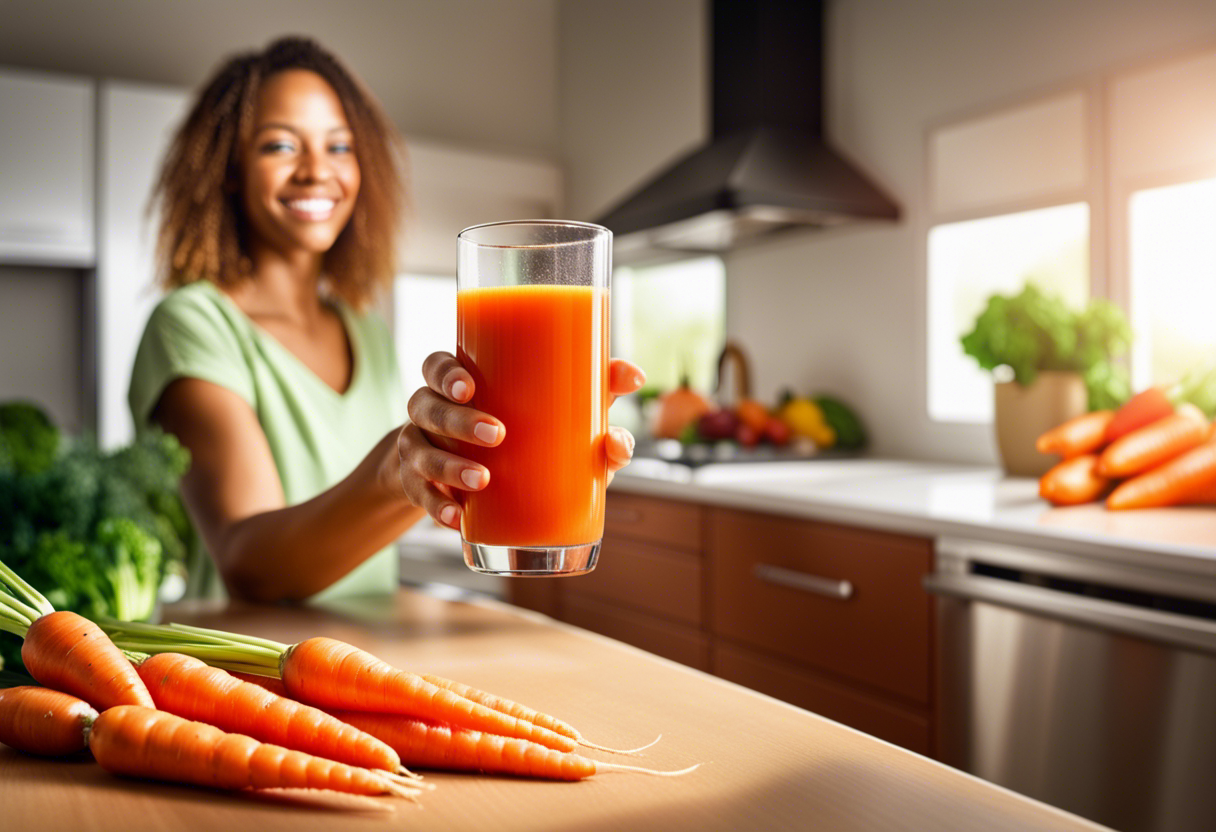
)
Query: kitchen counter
[
  {"x": 940, "y": 500},
  {"x": 764, "y": 764}
]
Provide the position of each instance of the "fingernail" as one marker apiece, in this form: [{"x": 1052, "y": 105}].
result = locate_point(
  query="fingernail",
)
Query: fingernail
[
  {"x": 629, "y": 439},
  {"x": 486, "y": 432},
  {"x": 460, "y": 391},
  {"x": 471, "y": 477},
  {"x": 448, "y": 515}
]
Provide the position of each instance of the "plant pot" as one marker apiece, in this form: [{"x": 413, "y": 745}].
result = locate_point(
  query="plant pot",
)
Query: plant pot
[{"x": 1023, "y": 413}]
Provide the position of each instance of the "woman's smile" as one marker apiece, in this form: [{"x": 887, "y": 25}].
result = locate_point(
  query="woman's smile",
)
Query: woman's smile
[{"x": 310, "y": 209}]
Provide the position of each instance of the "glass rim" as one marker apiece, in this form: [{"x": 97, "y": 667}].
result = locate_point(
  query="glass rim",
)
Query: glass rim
[{"x": 561, "y": 223}]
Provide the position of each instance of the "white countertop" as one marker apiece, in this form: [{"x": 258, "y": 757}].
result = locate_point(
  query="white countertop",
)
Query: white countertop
[{"x": 939, "y": 500}]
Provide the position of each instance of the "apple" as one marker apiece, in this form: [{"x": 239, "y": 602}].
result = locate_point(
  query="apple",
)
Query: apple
[
  {"x": 717, "y": 424},
  {"x": 747, "y": 436},
  {"x": 777, "y": 431}
]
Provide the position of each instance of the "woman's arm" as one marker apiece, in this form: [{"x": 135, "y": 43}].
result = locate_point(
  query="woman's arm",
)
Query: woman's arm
[
  {"x": 268, "y": 551},
  {"x": 264, "y": 549}
]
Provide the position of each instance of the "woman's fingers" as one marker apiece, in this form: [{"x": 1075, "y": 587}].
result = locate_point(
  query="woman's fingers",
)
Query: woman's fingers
[
  {"x": 429, "y": 475},
  {"x": 436, "y": 414},
  {"x": 619, "y": 447},
  {"x": 445, "y": 375},
  {"x": 624, "y": 377}
]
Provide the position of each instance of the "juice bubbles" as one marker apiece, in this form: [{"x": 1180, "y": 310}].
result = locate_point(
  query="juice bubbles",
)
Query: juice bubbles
[{"x": 538, "y": 355}]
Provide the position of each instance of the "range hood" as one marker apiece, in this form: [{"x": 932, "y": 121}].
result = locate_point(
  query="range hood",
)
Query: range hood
[{"x": 767, "y": 168}]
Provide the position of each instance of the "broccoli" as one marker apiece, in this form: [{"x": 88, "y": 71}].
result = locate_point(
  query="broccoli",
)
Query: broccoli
[
  {"x": 132, "y": 568},
  {"x": 96, "y": 532},
  {"x": 29, "y": 439}
]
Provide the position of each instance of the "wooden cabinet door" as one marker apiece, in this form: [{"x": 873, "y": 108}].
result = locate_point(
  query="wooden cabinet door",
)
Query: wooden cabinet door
[{"x": 838, "y": 599}]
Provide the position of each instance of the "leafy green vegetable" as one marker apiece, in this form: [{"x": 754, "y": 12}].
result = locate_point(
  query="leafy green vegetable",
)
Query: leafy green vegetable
[
  {"x": 96, "y": 532},
  {"x": 850, "y": 433},
  {"x": 29, "y": 439},
  {"x": 1033, "y": 331},
  {"x": 1199, "y": 388}
]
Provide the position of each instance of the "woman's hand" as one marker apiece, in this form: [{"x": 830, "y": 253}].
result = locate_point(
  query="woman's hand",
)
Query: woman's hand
[{"x": 438, "y": 413}]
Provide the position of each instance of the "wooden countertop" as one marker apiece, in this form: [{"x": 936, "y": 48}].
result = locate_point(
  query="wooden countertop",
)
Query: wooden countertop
[{"x": 765, "y": 764}]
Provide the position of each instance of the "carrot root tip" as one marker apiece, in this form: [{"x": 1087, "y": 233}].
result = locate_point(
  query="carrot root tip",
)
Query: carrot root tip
[
  {"x": 639, "y": 770},
  {"x": 405, "y": 772},
  {"x": 586, "y": 744},
  {"x": 413, "y": 782}
]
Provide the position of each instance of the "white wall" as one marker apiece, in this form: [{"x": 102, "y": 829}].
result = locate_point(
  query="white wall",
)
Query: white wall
[
  {"x": 843, "y": 310},
  {"x": 481, "y": 73},
  {"x": 632, "y": 95}
]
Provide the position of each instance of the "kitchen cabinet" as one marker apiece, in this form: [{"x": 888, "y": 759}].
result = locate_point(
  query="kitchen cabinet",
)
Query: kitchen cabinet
[
  {"x": 829, "y": 617},
  {"x": 46, "y": 169}
]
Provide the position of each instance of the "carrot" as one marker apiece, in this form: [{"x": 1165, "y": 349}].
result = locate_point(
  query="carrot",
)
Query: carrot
[
  {"x": 271, "y": 683},
  {"x": 1155, "y": 443},
  {"x": 143, "y": 742},
  {"x": 1177, "y": 481},
  {"x": 497, "y": 703},
  {"x": 434, "y": 745},
  {"x": 1073, "y": 482},
  {"x": 330, "y": 674},
  {"x": 1204, "y": 495},
  {"x": 189, "y": 688},
  {"x": 1084, "y": 434},
  {"x": 65, "y": 651},
  {"x": 514, "y": 709},
  {"x": 1142, "y": 409},
  {"x": 42, "y": 721}
]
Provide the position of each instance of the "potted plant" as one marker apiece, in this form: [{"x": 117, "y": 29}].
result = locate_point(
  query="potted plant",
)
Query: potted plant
[{"x": 1050, "y": 363}]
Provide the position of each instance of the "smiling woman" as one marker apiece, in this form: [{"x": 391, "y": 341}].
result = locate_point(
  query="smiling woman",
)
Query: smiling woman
[{"x": 280, "y": 201}]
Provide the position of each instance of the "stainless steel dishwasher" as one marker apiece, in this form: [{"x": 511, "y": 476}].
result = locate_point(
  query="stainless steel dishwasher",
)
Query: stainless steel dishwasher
[{"x": 1087, "y": 684}]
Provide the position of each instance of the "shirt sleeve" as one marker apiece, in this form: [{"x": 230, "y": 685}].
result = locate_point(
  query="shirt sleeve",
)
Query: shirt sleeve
[{"x": 187, "y": 336}]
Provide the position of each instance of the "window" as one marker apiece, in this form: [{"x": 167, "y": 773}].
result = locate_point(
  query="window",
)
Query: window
[
  {"x": 1010, "y": 203},
  {"x": 670, "y": 320},
  {"x": 1172, "y": 233},
  {"x": 971, "y": 260}
]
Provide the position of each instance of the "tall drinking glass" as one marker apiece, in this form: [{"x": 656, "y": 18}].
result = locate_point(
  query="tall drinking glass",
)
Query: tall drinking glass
[{"x": 532, "y": 330}]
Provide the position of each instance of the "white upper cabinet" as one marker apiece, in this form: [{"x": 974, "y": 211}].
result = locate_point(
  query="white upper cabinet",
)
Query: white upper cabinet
[
  {"x": 451, "y": 189},
  {"x": 135, "y": 124},
  {"x": 46, "y": 169}
]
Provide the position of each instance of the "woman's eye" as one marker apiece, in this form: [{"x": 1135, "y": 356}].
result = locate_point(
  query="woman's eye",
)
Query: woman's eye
[
  {"x": 341, "y": 147},
  {"x": 277, "y": 147}
]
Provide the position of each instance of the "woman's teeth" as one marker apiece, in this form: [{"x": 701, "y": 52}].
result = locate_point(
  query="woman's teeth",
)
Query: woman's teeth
[{"x": 313, "y": 209}]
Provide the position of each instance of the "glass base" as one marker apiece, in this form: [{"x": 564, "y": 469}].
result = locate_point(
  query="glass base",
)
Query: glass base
[{"x": 531, "y": 562}]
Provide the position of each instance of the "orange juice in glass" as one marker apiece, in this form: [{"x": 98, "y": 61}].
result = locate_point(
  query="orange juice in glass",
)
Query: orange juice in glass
[{"x": 532, "y": 330}]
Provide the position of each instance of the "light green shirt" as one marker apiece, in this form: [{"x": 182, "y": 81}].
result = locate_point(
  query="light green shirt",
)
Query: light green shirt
[{"x": 316, "y": 434}]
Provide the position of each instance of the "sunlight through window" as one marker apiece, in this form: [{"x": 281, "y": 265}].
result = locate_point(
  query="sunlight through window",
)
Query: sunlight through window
[
  {"x": 1173, "y": 281},
  {"x": 970, "y": 261}
]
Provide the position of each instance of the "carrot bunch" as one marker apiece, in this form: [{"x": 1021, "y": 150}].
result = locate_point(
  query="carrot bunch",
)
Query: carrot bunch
[
  {"x": 1146, "y": 454},
  {"x": 428, "y": 721},
  {"x": 91, "y": 697}
]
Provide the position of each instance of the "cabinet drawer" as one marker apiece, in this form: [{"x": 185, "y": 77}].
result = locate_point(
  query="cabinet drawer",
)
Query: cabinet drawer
[
  {"x": 765, "y": 573},
  {"x": 903, "y": 726},
  {"x": 645, "y": 577},
  {"x": 665, "y": 522},
  {"x": 663, "y": 638}
]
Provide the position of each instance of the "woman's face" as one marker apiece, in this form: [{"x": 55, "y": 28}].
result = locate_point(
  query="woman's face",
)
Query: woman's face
[{"x": 300, "y": 173}]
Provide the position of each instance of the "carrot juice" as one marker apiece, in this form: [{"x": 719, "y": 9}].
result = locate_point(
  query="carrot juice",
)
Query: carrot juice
[{"x": 538, "y": 355}]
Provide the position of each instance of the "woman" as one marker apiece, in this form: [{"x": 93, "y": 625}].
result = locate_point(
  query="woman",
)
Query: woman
[{"x": 280, "y": 202}]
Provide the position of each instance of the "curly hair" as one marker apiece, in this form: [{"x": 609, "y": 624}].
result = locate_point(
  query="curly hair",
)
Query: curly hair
[{"x": 203, "y": 230}]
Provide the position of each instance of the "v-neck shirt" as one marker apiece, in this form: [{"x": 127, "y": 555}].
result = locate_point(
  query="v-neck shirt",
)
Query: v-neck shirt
[{"x": 316, "y": 434}]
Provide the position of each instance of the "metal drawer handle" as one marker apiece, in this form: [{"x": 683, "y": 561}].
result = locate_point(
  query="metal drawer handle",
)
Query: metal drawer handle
[{"x": 827, "y": 587}]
